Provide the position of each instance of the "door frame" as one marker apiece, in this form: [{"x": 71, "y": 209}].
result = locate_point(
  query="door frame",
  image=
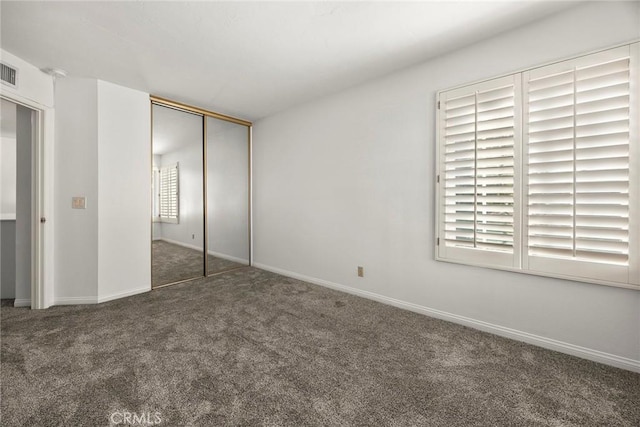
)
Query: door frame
[{"x": 42, "y": 233}]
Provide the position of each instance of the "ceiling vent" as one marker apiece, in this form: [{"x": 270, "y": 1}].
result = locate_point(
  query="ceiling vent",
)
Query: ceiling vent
[{"x": 9, "y": 75}]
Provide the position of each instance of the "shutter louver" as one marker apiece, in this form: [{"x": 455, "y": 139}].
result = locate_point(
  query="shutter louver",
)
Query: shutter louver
[
  {"x": 578, "y": 162},
  {"x": 169, "y": 192},
  {"x": 478, "y": 135}
]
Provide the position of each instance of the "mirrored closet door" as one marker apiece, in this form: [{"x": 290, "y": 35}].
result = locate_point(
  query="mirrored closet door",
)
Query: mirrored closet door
[
  {"x": 201, "y": 193},
  {"x": 178, "y": 207},
  {"x": 227, "y": 195}
]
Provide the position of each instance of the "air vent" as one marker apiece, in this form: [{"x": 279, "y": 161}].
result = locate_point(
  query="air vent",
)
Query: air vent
[{"x": 9, "y": 75}]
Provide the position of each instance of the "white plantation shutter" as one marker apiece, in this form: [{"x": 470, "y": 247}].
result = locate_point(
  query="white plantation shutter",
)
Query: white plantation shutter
[
  {"x": 478, "y": 134},
  {"x": 577, "y": 141},
  {"x": 169, "y": 193},
  {"x": 538, "y": 171}
]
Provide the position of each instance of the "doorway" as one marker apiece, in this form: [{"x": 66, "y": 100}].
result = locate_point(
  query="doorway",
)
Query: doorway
[{"x": 17, "y": 210}]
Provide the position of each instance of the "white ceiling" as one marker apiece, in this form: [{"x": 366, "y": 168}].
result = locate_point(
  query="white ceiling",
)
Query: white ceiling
[{"x": 249, "y": 59}]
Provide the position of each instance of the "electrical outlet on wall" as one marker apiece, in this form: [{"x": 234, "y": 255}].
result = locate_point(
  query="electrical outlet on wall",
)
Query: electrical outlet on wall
[{"x": 360, "y": 271}]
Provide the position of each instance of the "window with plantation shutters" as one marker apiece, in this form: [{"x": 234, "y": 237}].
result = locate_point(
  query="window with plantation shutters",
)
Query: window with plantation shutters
[
  {"x": 169, "y": 194},
  {"x": 538, "y": 171},
  {"x": 478, "y": 129},
  {"x": 577, "y": 138}
]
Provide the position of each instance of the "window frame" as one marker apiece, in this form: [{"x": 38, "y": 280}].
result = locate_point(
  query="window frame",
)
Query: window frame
[{"x": 587, "y": 271}]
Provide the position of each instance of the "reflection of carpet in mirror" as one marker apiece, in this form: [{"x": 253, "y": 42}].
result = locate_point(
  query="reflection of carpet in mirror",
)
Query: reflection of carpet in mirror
[{"x": 172, "y": 263}]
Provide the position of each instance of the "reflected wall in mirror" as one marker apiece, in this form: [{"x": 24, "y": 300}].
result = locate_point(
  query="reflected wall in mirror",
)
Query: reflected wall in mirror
[
  {"x": 228, "y": 243},
  {"x": 178, "y": 206}
]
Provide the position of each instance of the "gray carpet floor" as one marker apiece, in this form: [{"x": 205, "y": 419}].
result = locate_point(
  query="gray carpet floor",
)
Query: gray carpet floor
[
  {"x": 249, "y": 347},
  {"x": 173, "y": 263}
]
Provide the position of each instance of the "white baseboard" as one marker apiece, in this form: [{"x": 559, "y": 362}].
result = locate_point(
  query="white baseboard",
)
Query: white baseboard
[
  {"x": 123, "y": 294},
  {"x": 22, "y": 302},
  {"x": 97, "y": 300},
  {"x": 74, "y": 300},
  {"x": 560, "y": 346},
  {"x": 228, "y": 257},
  {"x": 185, "y": 245}
]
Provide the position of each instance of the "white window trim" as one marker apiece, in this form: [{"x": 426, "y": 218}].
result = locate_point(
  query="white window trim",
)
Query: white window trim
[{"x": 623, "y": 276}]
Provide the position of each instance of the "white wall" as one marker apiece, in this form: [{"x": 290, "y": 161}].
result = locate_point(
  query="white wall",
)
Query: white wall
[
  {"x": 76, "y": 174},
  {"x": 7, "y": 178},
  {"x": 24, "y": 219},
  {"x": 227, "y": 190},
  {"x": 348, "y": 180},
  {"x": 103, "y": 152},
  {"x": 124, "y": 180},
  {"x": 189, "y": 231},
  {"x": 8, "y": 160}
]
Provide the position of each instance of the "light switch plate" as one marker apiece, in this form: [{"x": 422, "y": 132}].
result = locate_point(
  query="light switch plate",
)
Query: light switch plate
[{"x": 78, "y": 202}]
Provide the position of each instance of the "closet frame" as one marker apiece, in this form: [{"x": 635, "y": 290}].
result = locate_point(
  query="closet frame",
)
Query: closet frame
[{"x": 164, "y": 102}]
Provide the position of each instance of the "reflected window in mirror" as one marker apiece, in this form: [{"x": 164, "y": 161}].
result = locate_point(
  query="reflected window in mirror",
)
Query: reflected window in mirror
[{"x": 168, "y": 194}]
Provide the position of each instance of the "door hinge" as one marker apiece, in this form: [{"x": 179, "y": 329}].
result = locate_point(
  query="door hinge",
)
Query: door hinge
[
  {"x": 438, "y": 179},
  {"x": 438, "y": 105},
  {"x": 437, "y": 241},
  {"x": 43, "y": 220}
]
